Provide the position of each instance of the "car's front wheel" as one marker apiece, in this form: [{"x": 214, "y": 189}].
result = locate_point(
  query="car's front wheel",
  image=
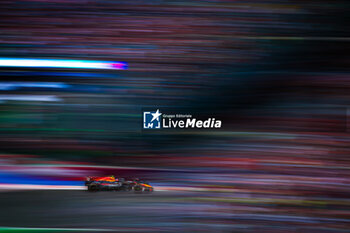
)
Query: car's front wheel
[
  {"x": 149, "y": 190},
  {"x": 138, "y": 189}
]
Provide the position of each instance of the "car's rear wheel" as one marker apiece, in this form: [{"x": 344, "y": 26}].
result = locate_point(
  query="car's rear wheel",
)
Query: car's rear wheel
[{"x": 93, "y": 188}]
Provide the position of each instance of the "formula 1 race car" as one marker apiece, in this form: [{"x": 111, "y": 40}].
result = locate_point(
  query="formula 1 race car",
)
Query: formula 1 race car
[{"x": 110, "y": 183}]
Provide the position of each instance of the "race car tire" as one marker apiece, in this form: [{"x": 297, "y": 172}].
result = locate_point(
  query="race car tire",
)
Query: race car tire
[
  {"x": 93, "y": 188},
  {"x": 138, "y": 189},
  {"x": 148, "y": 190},
  {"x": 128, "y": 189}
]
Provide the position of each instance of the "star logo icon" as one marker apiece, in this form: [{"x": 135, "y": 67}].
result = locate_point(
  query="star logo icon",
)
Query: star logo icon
[
  {"x": 151, "y": 120},
  {"x": 156, "y": 115}
]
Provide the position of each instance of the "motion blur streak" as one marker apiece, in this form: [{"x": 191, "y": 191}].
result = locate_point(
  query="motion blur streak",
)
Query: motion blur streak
[
  {"x": 30, "y": 97},
  {"x": 275, "y": 72},
  {"x": 34, "y": 229},
  {"x": 6, "y": 86},
  {"x": 54, "y": 63}
]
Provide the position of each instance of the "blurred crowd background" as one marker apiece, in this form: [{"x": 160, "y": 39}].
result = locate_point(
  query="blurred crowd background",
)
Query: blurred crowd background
[{"x": 276, "y": 72}]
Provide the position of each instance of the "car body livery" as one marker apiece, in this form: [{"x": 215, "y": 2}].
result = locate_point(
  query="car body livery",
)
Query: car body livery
[{"x": 110, "y": 183}]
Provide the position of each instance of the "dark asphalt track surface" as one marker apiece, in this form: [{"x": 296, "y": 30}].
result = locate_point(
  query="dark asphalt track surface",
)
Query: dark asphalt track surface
[{"x": 158, "y": 211}]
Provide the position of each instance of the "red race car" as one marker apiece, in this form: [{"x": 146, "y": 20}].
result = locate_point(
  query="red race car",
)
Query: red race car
[{"x": 110, "y": 183}]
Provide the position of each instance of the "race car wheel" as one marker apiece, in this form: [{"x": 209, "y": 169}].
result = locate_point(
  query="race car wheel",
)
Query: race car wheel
[
  {"x": 128, "y": 189},
  {"x": 138, "y": 189},
  {"x": 149, "y": 190},
  {"x": 92, "y": 188}
]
